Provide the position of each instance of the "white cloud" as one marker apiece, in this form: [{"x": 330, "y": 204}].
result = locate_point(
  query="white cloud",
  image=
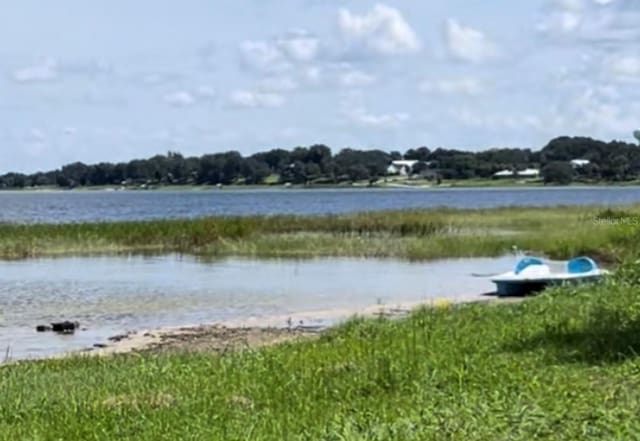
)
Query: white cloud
[
  {"x": 562, "y": 22},
  {"x": 461, "y": 86},
  {"x": 625, "y": 67},
  {"x": 280, "y": 53},
  {"x": 157, "y": 78},
  {"x": 362, "y": 117},
  {"x": 596, "y": 111},
  {"x": 356, "y": 79},
  {"x": 253, "y": 100},
  {"x": 180, "y": 99},
  {"x": 312, "y": 74},
  {"x": 599, "y": 112},
  {"x": 382, "y": 30},
  {"x": 469, "y": 44},
  {"x": 34, "y": 142},
  {"x": 570, "y": 5},
  {"x": 299, "y": 46},
  {"x": 205, "y": 93},
  {"x": 591, "y": 21},
  {"x": 262, "y": 55},
  {"x": 290, "y": 133},
  {"x": 277, "y": 84},
  {"x": 45, "y": 70},
  {"x": 186, "y": 98},
  {"x": 562, "y": 17},
  {"x": 49, "y": 69},
  {"x": 86, "y": 67},
  {"x": 36, "y": 134},
  {"x": 494, "y": 121}
]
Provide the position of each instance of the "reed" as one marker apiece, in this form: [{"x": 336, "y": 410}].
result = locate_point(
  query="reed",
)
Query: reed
[{"x": 427, "y": 234}]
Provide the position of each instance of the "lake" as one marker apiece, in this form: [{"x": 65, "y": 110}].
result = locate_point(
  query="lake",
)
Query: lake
[
  {"x": 112, "y": 295},
  {"x": 88, "y": 206}
]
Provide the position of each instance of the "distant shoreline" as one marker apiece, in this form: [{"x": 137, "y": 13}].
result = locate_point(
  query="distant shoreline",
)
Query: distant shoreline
[{"x": 461, "y": 184}]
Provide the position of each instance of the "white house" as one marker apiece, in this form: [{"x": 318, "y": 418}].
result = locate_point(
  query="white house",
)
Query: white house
[
  {"x": 530, "y": 173},
  {"x": 578, "y": 163},
  {"x": 503, "y": 174},
  {"x": 401, "y": 167}
]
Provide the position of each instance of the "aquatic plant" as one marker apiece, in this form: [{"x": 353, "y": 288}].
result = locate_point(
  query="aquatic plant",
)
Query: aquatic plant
[{"x": 421, "y": 234}]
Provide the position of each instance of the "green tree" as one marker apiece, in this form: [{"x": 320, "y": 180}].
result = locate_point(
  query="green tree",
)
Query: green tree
[
  {"x": 419, "y": 154},
  {"x": 557, "y": 172},
  {"x": 255, "y": 171},
  {"x": 295, "y": 173},
  {"x": 358, "y": 172}
]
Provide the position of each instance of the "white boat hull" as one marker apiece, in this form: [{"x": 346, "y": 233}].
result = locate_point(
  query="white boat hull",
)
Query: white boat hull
[
  {"x": 510, "y": 285},
  {"x": 533, "y": 274}
]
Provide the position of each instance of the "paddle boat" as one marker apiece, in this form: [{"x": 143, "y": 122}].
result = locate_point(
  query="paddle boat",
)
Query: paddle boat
[{"x": 533, "y": 274}]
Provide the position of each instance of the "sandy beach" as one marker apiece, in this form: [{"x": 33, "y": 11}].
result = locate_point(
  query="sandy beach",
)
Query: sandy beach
[{"x": 258, "y": 332}]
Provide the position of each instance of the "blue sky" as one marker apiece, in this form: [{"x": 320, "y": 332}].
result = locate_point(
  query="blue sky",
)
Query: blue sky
[{"x": 111, "y": 80}]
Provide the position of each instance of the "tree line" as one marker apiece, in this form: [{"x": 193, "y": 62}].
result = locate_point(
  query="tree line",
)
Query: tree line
[{"x": 610, "y": 161}]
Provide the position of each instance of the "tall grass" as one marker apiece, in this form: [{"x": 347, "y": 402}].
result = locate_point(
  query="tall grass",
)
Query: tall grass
[
  {"x": 426, "y": 234},
  {"x": 563, "y": 366}
]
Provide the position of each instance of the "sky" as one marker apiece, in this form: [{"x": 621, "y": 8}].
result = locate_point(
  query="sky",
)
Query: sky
[{"x": 113, "y": 80}]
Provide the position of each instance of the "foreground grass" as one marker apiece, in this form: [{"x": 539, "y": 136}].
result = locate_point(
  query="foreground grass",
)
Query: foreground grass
[
  {"x": 429, "y": 234},
  {"x": 563, "y": 366}
]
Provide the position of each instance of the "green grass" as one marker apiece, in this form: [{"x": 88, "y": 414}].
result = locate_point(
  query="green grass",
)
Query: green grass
[
  {"x": 430, "y": 234},
  {"x": 481, "y": 183},
  {"x": 563, "y": 366}
]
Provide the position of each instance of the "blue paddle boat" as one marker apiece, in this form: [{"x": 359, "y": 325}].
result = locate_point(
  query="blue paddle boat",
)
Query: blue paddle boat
[{"x": 532, "y": 274}]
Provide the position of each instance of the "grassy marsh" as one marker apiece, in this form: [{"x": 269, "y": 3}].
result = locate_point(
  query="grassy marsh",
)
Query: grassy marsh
[
  {"x": 562, "y": 366},
  {"x": 428, "y": 234}
]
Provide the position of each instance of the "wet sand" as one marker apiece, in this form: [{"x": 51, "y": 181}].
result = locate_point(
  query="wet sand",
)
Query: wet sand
[
  {"x": 253, "y": 334},
  {"x": 202, "y": 338}
]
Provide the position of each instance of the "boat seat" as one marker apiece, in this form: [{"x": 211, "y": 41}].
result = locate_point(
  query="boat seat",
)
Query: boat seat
[
  {"x": 527, "y": 262},
  {"x": 581, "y": 265},
  {"x": 535, "y": 271}
]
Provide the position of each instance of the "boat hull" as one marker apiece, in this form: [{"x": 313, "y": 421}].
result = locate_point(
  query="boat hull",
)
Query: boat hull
[{"x": 513, "y": 287}]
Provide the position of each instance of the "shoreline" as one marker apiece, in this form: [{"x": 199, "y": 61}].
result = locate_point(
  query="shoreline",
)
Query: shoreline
[
  {"x": 250, "y": 333},
  {"x": 454, "y": 185},
  {"x": 256, "y": 333}
]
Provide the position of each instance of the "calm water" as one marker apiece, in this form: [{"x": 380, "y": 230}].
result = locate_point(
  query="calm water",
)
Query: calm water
[
  {"x": 110, "y": 295},
  {"x": 139, "y": 205}
]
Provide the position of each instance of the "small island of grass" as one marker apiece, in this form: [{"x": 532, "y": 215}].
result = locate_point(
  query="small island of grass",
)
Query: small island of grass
[{"x": 558, "y": 232}]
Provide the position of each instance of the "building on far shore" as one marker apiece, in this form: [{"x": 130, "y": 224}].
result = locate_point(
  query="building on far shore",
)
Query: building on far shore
[
  {"x": 579, "y": 163},
  {"x": 528, "y": 173},
  {"x": 504, "y": 174},
  {"x": 401, "y": 167}
]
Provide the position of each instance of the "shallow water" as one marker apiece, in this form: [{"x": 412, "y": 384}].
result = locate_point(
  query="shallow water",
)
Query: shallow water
[
  {"x": 111, "y": 295},
  {"x": 88, "y": 206}
]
